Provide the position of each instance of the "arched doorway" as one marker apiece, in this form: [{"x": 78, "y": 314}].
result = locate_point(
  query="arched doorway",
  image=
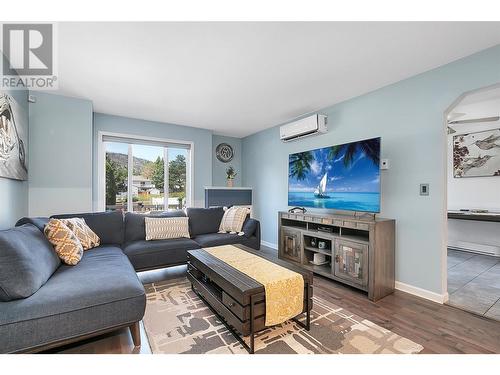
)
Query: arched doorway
[{"x": 473, "y": 202}]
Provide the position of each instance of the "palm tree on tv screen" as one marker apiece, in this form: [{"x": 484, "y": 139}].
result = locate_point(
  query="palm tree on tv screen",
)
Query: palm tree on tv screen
[
  {"x": 371, "y": 148},
  {"x": 300, "y": 164}
]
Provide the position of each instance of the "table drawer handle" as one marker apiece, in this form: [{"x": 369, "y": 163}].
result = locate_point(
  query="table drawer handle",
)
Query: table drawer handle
[{"x": 232, "y": 304}]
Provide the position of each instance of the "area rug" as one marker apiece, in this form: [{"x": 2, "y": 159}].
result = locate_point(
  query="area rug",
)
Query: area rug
[{"x": 177, "y": 321}]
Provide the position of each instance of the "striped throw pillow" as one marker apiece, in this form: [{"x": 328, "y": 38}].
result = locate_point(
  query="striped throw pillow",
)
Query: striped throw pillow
[
  {"x": 162, "y": 228},
  {"x": 82, "y": 231},
  {"x": 233, "y": 220},
  {"x": 64, "y": 242}
]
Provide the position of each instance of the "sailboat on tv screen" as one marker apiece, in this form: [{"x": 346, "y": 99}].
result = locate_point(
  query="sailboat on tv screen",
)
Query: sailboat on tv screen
[{"x": 320, "y": 191}]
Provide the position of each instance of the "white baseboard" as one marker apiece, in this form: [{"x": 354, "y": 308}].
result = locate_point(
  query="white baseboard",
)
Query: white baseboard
[
  {"x": 475, "y": 247},
  {"x": 423, "y": 293},
  {"x": 269, "y": 244}
]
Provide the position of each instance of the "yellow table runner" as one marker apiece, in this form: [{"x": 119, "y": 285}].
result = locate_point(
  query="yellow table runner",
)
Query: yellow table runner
[{"x": 284, "y": 288}]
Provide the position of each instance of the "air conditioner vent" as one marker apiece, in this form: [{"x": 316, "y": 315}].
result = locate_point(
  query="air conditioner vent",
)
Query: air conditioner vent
[{"x": 311, "y": 125}]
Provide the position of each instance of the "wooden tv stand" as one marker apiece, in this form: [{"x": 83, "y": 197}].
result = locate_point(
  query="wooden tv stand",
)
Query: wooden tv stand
[{"x": 359, "y": 252}]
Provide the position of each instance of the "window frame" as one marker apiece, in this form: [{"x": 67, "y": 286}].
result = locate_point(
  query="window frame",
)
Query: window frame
[{"x": 101, "y": 170}]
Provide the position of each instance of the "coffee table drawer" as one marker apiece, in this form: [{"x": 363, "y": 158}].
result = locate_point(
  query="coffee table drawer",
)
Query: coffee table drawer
[
  {"x": 234, "y": 306},
  {"x": 216, "y": 304},
  {"x": 242, "y": 312}
]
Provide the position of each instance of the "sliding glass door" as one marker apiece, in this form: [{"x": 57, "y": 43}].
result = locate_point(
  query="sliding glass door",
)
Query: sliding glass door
[{"x": 145, "y": 176}]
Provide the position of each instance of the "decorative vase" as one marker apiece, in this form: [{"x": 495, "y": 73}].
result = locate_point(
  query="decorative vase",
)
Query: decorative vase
[{"x": 229, "y": 182}]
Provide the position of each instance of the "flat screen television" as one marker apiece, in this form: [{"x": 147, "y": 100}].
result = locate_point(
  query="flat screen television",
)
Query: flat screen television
[{"x": 341, "y": 177}]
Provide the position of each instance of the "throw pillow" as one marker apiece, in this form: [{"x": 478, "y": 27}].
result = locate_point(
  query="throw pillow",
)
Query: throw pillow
[
  {"x": 166, "y": 227},
  {"x": 64, "y": 241},
  {"x": 233, "y": 220},
  {"x": 82, "y": 231}
]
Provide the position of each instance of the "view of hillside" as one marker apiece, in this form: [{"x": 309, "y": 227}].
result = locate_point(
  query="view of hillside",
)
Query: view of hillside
[{"x": 122, "y": 160}]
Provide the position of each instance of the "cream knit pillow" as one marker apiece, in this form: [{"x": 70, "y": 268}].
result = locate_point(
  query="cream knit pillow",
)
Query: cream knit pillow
[
  {"x": 162, "y": 228},
  {"x": 233, "y": 220}
]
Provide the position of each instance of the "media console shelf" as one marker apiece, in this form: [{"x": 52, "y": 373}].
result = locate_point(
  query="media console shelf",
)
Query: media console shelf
[{"x": 358, "y": 252}]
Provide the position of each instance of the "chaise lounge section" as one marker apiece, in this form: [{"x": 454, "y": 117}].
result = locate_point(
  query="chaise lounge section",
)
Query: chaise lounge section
[{"x": 102, "y": 292}]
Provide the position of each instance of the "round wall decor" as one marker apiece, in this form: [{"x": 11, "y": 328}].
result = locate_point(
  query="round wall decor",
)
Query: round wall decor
[{"x": 224, "y": 152}]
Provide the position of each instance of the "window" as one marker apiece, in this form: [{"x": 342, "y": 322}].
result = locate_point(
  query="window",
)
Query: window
[{"x": 143, "y": 175}]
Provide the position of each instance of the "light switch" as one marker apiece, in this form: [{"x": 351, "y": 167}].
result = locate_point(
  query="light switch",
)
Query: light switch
[{"x": 424, "y": 189}]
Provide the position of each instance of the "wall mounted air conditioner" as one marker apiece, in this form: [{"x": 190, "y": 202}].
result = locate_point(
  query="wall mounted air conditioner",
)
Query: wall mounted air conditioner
[{"x": 315, "y": 124}]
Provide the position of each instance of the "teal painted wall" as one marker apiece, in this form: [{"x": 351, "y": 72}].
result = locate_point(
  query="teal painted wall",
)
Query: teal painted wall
[
  {"x": 60, "y": 179},
  {"x": 14, "y": 193},
  {"x": 202, "y": 145},
  {"x": 408, "y": 115},
  {"x": 219, "y": 168}
]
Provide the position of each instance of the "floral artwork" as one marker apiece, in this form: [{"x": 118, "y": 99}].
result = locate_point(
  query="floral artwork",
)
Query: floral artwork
[{"x": 476, "y": 154}]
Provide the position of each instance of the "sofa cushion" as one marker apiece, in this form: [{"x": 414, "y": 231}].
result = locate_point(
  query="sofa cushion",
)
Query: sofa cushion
[
  {"x": 204, "y": 220},
  {"x": 27, "y": 260},
  {"x": 65, "y": 243},
  {"x": 101, "y": 292},
  {"x": 217, "y": 239},
  {"x": 39, "y": 222},
  {"x": 151, "y": 254},
  {"x": 107, "y": 225},
  {"x": 135, "y": 228}
]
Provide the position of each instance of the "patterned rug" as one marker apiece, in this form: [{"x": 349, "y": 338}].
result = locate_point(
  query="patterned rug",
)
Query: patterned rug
[{"x": 178, "y": 321}]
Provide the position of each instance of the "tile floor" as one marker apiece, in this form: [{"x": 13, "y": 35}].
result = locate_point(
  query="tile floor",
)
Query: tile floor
[{"x": 474, "y": 283}]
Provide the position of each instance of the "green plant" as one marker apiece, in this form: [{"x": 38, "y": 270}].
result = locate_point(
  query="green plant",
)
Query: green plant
[
  {"x": 116, "y": 179},
  {"x": 176, "y": 174},
  {"x": 231, "y": 173}
]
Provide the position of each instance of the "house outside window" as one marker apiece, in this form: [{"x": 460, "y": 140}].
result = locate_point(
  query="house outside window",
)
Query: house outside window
[{"x": 144, "y": 175}]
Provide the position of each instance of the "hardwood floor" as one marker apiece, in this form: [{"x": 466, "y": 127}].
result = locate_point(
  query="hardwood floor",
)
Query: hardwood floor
[{"x": 439, "y": 328}]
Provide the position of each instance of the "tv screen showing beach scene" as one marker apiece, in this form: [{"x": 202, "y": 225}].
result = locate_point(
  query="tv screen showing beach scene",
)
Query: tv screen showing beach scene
[{"x": 341, "y": 177}]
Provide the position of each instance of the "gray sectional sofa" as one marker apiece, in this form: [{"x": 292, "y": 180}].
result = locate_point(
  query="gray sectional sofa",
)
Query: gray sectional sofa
[{"x": 44, "y": 303}]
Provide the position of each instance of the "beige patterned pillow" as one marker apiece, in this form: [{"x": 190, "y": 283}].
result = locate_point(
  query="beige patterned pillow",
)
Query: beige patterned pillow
[
  {"x": 233, "y": 220},
  {"x": 64, "y": 241},
  {"x": 162, "y": 228},
  {"x": 85, "y": 235}
]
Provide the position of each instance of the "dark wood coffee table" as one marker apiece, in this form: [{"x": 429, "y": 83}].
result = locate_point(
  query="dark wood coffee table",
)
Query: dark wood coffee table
[{"x": 237, "y": 299}]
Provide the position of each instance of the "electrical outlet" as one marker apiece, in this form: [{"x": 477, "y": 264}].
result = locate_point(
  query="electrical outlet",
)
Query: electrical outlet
[{"x": 384, "y": 164}]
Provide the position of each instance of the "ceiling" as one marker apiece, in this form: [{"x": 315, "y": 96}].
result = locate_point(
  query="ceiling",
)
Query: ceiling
[{"x": 239, "y": 78}]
